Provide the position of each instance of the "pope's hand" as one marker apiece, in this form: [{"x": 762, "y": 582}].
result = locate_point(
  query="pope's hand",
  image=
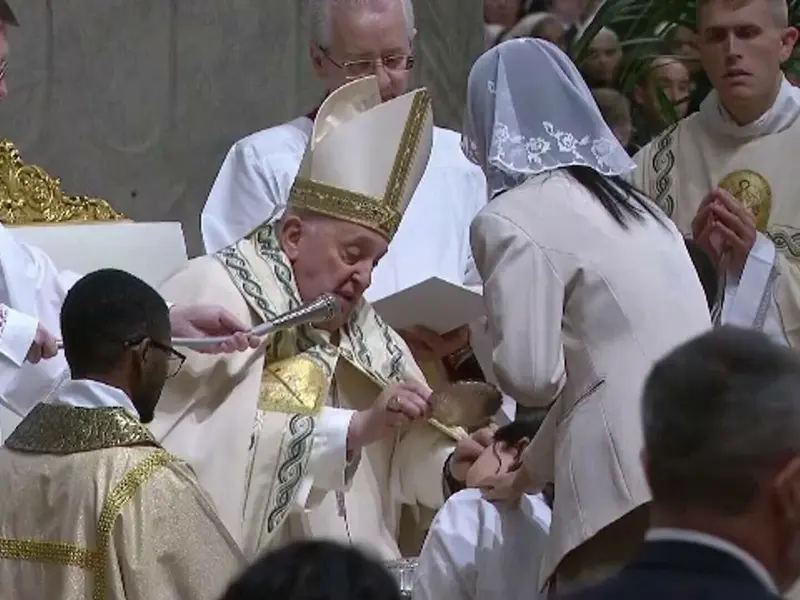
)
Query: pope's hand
[
  {"x": 397, "y": 406},
  {"x": 44, "y": 345},
  {"x": 199, "y": 321},
  {"x": 509, "y": 486}
]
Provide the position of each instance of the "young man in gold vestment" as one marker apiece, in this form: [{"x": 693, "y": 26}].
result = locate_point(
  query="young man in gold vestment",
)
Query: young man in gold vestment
[
  {"x": 322, "y": 432},
  {"x": 727, "y": 174},
  {"x": 94, "y": 508}
]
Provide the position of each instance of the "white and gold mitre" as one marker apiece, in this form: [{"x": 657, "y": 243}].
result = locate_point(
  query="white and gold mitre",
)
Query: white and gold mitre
[{"x": 365, "y": 158}]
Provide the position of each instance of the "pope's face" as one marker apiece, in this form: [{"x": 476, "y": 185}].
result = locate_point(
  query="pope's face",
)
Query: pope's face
[
  {"x": 742, "y": 47},
  {"x": 3, "y": 58},
  {"x": 332, "y": 256},
  {"x": 366, "y": 35}
]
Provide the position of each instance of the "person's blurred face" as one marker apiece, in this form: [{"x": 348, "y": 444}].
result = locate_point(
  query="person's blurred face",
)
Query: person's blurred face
[
  {"x": 497, "y": 458},
  {"x": 331, "y": 256},
  {"x": 742, "y": 48},
  {"x": 552, "y": 31},
  {"x": 3, "y": 58},
  {"x": 605, "y": 53},
  {"x": 501, "y": 12},
  {"x": 365, "y": 34},
  {"x": 683, "y": 43},
  {"x": 671, "y": 77},
  {"x": 568, "y": 11}
]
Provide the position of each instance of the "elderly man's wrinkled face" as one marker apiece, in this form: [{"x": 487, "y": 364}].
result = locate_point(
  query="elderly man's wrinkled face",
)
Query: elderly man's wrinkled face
[
  {"x": 331, "y": 256},
  {"x": 742, "y": 47},
  {"x": 3, "y": 58},
  {"x": 367, "y": 40},
  {"x": 601, "y": 64}
]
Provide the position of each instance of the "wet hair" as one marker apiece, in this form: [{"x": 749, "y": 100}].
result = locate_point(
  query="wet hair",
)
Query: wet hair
[{"x": 102, "y": 312}]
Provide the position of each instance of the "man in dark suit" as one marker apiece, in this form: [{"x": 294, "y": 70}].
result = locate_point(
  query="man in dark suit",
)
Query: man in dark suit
[{"x": 721, "y": 418}]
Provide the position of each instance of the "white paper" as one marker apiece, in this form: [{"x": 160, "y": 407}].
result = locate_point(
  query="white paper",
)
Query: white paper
[
  {"x": 151, "y": 251},
  {"x": 437, "y": 304}
]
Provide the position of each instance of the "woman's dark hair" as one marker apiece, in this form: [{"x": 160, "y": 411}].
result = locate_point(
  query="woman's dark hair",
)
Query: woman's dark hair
[{"x": 621, "y": 199}]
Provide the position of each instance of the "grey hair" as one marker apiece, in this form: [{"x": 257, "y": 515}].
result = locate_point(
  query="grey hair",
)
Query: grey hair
[
  {"x": 321, "y": 16},
  {"x": 718, "y": 413}
]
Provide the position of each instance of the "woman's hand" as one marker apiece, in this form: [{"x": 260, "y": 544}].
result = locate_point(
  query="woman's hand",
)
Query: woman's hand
[{"x": 507, "y": 487}]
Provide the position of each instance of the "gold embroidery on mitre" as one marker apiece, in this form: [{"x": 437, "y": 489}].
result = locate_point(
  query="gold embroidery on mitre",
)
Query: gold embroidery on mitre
[
  {"x": 753, "y": 191},
  {"x": 296, "y": 385},
  {"x": 380, "y": 214}
]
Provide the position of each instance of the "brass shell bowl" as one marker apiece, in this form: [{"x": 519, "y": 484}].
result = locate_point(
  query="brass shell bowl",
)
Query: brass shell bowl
[{"x": 468, "y": 404}]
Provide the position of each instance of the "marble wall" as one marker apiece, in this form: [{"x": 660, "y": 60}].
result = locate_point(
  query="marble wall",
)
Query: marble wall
[{"x": 137, "y": 102}]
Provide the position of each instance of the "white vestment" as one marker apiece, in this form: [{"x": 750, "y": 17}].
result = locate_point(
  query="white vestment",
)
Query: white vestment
[
  {"x": 32, "y": 291},
  {"x": 681, "y": 166},
  {"x": 253, "y": 185},
  {"x": 479, "y": 550}
]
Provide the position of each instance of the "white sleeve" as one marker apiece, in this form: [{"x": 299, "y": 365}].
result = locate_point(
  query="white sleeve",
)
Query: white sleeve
[
  {"x": 328, "y": 466},
  {"x": 447, "y": 568},
  {"x": 17, "y": 332},
  {"x": 524, "y": 299},
  {"x": 748, "y": 298},
  {"x": 244, "y": 195}
]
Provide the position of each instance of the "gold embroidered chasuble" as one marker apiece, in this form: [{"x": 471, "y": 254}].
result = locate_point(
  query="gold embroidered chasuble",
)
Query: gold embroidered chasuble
[
  {"x": 95, "y": 509},
  {"x": 681, "y": 166},
  {"x": 266, "y": 430}
]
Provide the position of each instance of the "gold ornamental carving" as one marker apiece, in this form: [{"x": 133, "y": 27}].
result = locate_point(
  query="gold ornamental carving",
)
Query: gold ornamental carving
[
  {"x": 29, "y": 196},
  {"x": 753, "y": 191}
]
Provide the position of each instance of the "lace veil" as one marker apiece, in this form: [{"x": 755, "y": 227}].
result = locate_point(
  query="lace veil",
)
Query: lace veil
[{"x": 529, "y": 111}]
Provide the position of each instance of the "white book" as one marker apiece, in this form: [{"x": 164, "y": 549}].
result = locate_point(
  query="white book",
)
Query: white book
[{"x": 437, "y": 304}]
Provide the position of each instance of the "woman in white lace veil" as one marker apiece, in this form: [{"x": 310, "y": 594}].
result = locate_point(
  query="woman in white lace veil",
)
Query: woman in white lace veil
[{"x": 586, "y": 285}]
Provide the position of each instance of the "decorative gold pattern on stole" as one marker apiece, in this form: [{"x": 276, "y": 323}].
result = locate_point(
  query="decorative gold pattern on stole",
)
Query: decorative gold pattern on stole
[
  {"x": 56, "y": 429},
  {"x": 93, "y": 560},
  {"x": 28, "y": 195},
  {"x": 381, "y": 214},
  {"x": 786, "y": 240},
  {"x": 753, "y": 192},
  {"x": 295, "y": 385}
]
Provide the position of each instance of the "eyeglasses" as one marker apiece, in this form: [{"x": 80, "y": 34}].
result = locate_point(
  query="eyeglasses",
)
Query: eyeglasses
[
  {"x": 175, "y": 359},
  {"x": 355, "y": 69}
]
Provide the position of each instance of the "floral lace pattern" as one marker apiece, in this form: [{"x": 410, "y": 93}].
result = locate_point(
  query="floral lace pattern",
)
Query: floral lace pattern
[{"x": 529, "y": 111}]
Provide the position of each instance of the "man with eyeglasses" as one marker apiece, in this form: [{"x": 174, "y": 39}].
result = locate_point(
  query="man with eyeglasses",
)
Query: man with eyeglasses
[
  {"x": 32, "y": 289},
  {"x": 351, "y": 39},
  {"x": 94, "y": 507}
]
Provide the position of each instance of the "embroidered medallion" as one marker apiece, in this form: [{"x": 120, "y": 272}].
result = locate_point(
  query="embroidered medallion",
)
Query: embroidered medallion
[{"x": 753, "y": 191}]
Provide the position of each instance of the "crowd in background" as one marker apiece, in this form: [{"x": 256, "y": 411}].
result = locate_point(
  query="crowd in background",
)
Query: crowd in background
[{"x": 670, "y": 87}]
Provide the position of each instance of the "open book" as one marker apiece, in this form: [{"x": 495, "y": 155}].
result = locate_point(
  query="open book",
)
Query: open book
[{"x": 437, "y": 304}]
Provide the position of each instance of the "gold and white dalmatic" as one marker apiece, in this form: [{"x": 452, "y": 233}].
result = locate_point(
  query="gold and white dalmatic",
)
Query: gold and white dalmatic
[
  {"x": 266, "y": 430},
  {"x": 93, "y": 508},
  {"x": 757, "y": 164}
]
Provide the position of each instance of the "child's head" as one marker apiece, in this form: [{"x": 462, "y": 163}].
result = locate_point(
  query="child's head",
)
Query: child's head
[{"x": 507, "y": 445}]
